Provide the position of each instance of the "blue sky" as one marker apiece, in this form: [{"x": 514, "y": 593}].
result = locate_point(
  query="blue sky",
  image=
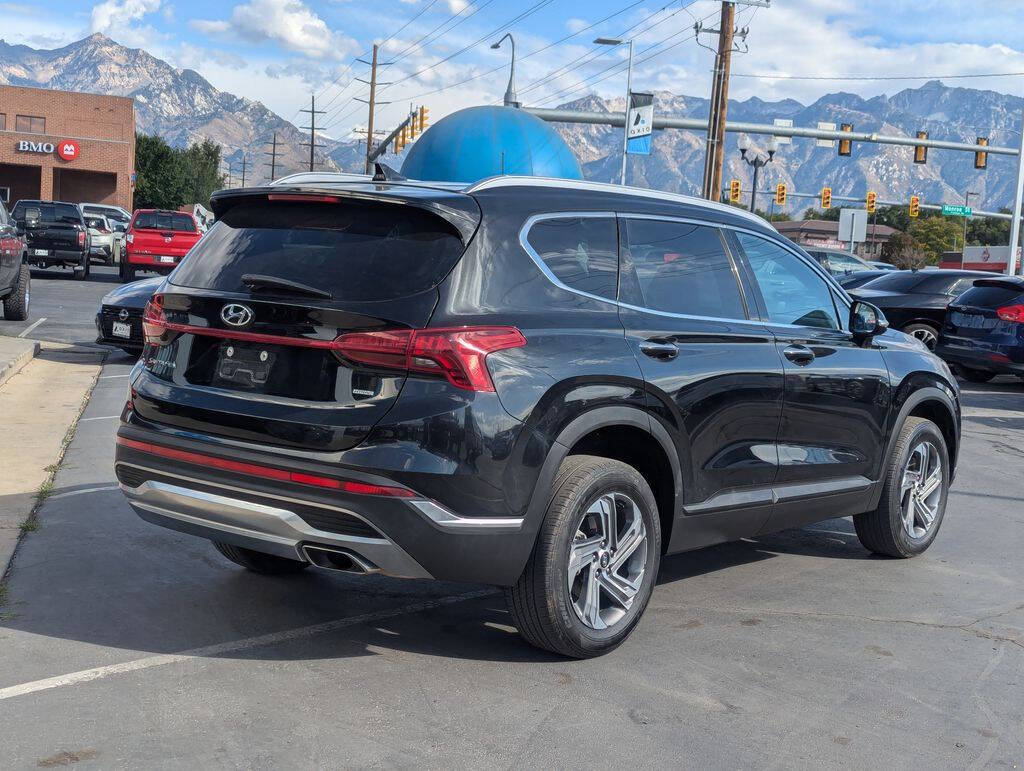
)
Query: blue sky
[{"x": 280, "y": 51}]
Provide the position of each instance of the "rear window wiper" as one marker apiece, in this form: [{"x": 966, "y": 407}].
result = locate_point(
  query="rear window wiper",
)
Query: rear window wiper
[{"x": 258, "y": 281}]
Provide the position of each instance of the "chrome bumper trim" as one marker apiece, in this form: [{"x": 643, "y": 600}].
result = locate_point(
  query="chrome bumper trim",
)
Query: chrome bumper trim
[
  {"x": 448, "y": 520},
  {"x": 275, "y": 530}
]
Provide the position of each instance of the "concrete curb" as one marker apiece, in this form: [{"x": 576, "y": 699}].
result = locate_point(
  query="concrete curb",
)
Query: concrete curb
[{"x": 15, "y": 353}]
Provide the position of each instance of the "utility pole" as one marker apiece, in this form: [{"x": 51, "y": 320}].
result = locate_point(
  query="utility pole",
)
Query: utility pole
[
  {"x": 1018, "y": 204},
  {"x": 371, "y": 102},
  {"x": 313, "y": 112},
  {"x": 719, "y": 104},
  {"x": 243, "y": 169},
  {"x": 963, "y": 251},
  {"x": 273, "y": 158}
]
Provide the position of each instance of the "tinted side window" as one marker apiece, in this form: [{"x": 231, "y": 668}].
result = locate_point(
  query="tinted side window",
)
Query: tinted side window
[
  {"x": 581, "y": 252},
  {"x": 793, "y": 292},
  {"x": 679, "y": 267}
]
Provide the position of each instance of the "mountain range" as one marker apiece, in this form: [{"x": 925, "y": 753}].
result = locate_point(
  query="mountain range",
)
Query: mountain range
[{"x": 182, "y": 107}]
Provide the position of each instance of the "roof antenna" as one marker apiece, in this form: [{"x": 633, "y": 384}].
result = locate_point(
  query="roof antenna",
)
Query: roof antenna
[{"x": 384, "y": 173}]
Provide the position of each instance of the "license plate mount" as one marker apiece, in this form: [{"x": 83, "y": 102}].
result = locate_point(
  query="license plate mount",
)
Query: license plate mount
[{"x": 246, "y": 367}]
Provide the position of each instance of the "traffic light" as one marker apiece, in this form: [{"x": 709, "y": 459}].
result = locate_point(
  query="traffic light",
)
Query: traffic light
[
  {"x": 846, "y": 145},
  {"x": 424, "y": 117},
  {"x": 412, "y": 125},
  {"x": 826, "y": 198},
  {"x": 401, "y": 140},
  {"x": 981, "y": 157},
  {"x": 920, "y": 151},
  {"x": 734, "y": 191},
  {"x": 871, "y": 202},
  {"x": 780, "y": 194},
  {"x": 915, "y": 205}
]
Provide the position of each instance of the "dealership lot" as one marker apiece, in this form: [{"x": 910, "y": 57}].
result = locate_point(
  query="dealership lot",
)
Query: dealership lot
[{"x": 129, "y": 645}]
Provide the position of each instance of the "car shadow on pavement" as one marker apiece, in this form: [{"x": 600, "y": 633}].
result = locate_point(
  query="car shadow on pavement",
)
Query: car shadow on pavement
[{"x": 57, "y": 274}]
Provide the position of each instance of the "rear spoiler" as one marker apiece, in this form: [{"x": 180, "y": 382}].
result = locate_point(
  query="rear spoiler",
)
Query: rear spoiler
[
  {"x": 456, "y": 208},
  {"x": 1013, "y": 283}
]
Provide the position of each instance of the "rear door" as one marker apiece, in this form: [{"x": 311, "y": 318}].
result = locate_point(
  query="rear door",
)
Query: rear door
[
  {"x": 714, "y": 375},
  {"x": 164, "y": 236},
  {"x": 248, "y": 323},
  {"x": 832, "y": 436}
]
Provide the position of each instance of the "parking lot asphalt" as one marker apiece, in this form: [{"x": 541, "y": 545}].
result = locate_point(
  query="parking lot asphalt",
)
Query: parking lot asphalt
[
  {"x": 123, "y": 644},
  {"x": 62, "y": 309}
]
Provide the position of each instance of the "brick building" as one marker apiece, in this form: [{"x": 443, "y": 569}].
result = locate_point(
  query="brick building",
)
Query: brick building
[
  {"x": 824, "y": 234},
  {"x": 64, "y": 146}
]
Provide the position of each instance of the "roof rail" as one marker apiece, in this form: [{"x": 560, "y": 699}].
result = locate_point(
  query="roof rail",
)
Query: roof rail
[{"x": 604, "y": 187}]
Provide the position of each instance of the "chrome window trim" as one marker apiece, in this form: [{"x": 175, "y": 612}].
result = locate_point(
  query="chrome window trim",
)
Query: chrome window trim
[{"x": 542, "y": 267}]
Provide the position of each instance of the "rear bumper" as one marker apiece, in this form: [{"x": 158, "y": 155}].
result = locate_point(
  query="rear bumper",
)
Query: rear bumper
[
  {"x": 54, "y": 257},
  {"x": 1001, "y": 359},
  {"x": 404, "y": 537},
  {"x": 152, "y": 260}
]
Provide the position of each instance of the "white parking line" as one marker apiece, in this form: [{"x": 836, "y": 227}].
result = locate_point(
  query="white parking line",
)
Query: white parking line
[
  {"x": 829, "y": 532},
  {"x": 69, "y": 493},
  {"x": 233, "y": 646},
  {"x": 104, "y": 417},
  {"x": 24, "y": 332},
  {"x": 110, "y": 377}
]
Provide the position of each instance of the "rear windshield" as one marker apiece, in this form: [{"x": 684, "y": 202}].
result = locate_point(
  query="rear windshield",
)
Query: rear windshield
[
  {"x": 47, "y": 212},
  {"x": 988, "y": 296},
  {"x": 110, "y": 214},
  {"x": 164, "y": 221},
  {"x": 895, "y": 282},
  {"x": 355, "y": 250}
]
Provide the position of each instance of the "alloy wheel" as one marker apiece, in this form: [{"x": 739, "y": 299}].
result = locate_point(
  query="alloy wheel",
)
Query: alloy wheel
[
  {"x": 607, "y": 560},
  {"x": 921, "y": 489},
  {"x": 926, "y": 335}
]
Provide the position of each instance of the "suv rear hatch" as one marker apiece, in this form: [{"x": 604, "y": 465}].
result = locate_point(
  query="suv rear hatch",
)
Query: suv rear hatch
[
  {"x": 247, "y": 341},
  {"x": 163, "y": 237},
  {"x": 52, "y": 227},
  {"x": 989, "y": 313}
]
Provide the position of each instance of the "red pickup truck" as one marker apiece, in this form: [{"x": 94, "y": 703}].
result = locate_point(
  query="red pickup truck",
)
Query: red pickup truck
[{"x": 157, "y": 240}]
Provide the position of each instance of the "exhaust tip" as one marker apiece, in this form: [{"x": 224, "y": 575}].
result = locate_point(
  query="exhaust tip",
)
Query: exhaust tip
[{"x": 330, "y": 558}]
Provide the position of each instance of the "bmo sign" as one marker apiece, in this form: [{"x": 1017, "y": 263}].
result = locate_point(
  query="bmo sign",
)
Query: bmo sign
[{"x": 67, "y": 149}]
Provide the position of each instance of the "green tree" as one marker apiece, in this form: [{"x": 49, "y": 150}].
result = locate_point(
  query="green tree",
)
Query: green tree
[
  {"x": 820, "y": 214},
  {"x": 160, "y": 181},
  {"x": 201, "y": 167},
  {"x": 936, "y": 235},
  {"x": 902, "y": 251},
  {"x": 894, "y": 216},
  {"x": 779, "y": 216},
  {"x": 984, "y": 231}
]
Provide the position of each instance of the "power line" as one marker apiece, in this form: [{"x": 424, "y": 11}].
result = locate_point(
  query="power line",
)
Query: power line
[{"x": 770, "y": 76}]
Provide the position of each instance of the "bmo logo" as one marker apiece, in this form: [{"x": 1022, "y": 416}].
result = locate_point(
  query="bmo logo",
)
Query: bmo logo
[{"x": 67, "y": 149}]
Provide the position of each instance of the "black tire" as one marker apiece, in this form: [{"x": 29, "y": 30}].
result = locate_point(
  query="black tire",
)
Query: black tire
[
  {"x": 926, "y": 333},
  {"x": 258, "y": 562},
  {"x": 16, "y": 304},
  {"x": 976, "y": 375},
  {"x": 882, "y": 531},
  {"x": 540, "y": 602},
  {"x": 127, "y": 271},
  {"x": 81, "y": 271}
]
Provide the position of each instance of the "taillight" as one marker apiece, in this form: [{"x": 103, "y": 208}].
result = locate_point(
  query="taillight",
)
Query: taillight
[
  {"x": 81, "y": 238},
  {"x": 154, "y": 321},
  {"x": 1011, "y": 313},
  {"x": 459, "y": 354}
]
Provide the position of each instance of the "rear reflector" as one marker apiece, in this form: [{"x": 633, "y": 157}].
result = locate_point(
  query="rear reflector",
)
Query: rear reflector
[
  {"x": 1011, "y": 313},
  {"x": 266, "y": 472}
]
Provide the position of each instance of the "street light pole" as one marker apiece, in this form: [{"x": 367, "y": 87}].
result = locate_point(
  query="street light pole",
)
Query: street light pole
[
  {"x": 967, "y": 203},
  {"x": 757, "y": 162},
  {"x": 1018, "y": 203},
  {"x": 510, "y": 91},
  {"x": 607, "y": 41}
]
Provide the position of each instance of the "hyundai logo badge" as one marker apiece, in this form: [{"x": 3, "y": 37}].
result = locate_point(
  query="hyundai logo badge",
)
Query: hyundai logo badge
[{"x": 236, "y": 315}]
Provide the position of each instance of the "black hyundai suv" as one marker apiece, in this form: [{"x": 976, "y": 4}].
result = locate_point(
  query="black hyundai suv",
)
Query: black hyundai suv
[{"x": 534, "y": 383}]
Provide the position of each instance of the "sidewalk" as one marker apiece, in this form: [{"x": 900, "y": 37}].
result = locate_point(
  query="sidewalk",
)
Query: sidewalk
[{"x": 41, "y": 397}]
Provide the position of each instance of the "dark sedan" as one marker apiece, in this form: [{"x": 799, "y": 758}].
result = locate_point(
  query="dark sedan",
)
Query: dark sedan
[
  {"x": 984, "y": 331},
  {"x": 119, "y": 319},
  {"x": 853, "y": 280},
  {"x": 915, "y": 301}
]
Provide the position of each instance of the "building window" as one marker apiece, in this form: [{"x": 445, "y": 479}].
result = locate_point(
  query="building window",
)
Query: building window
[
  {"x": 29, "y": 124},
  {"x": 3, "y": 122}
]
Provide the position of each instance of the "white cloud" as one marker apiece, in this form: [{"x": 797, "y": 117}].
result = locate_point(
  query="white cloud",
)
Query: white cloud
[
  {"x": 289, "y": 23},
  {"x": 114, "y": 15},
  {"x": 576, "y": 25}
]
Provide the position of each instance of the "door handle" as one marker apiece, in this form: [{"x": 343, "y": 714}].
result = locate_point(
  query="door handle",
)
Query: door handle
[
  {"x": 798, "y": 354},
  {"x": 659, "y": 350}
]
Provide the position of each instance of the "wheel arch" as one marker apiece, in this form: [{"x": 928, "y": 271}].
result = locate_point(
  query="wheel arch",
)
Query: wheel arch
[{"x": 626, "y": 434}]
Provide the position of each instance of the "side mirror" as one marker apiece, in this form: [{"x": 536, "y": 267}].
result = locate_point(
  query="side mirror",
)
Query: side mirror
[{"x": 866, "y": 321}]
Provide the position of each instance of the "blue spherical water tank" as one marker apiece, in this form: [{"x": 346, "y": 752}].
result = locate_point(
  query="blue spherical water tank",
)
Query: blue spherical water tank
[{"x": 481, "y": 142}]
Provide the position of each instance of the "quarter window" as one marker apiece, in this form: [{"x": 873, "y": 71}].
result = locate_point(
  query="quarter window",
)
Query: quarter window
[
  {"x": 29, "y": 124},
  {"x": 793, "y": 292},
  {"x": 679, "y": 267},
  {"x": 581, "y": 252}
]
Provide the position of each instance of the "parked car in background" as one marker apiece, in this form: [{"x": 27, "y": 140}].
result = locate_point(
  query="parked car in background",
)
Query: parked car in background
[
  {"x": 118, "y": 218},
  {"x": 55, "y": 234},
  {"x": 119, "y": 318},
  {"x": 156, "y": 241},
  {"x": 879, "y": 265},
  {"x": 540, "y": 384},
  {"x": 983, "y": 334},
  {"x": 915, "y": 301},
  {"x": 15, "y": 276},
  {"x": 102, "y": 240},
  {"x": 859, "y": 278},
  {"x": 837, "y": 262}
]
